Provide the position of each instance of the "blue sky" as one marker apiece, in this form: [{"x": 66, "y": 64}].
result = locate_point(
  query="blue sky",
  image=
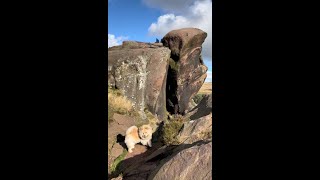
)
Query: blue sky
[{"x": 146, "y": 20}]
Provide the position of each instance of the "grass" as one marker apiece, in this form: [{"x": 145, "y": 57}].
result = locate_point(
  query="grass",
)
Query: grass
[
  {"x": 152, "y": 119},
  {"x": 206, "y": 88},
  {"x": 118, "y": 103},
  {"x": 115, "y": 165},
  {"x": 171, "y": 130},
  {"x": 110, "y": 114},
  {"x": 197, "y": 98},
  {"x": 173, "y": 65}
]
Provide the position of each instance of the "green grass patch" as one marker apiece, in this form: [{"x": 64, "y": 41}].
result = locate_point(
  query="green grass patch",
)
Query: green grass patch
[
  {"x": 151, "y": 118},
  {"x": 198, "y": 97},
  {"x": 173, "y": 65},
  {"x": 171, "y": 130},
  {"x": 115, "y": 165}
]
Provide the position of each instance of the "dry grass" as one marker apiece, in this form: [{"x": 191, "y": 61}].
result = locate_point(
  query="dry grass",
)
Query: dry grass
[
  {"x": 119, "y": 103},
  {"x": 110, "y": 114},
  {"x": 206, "y": 88},
  {"x": 153, "y": 121}
]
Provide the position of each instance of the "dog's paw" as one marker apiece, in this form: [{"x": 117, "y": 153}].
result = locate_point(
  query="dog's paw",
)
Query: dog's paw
[{"x": 130, "y": 150}]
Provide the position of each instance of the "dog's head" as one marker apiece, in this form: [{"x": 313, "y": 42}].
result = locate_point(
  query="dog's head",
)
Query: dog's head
[{"x": 145, "y": 131}]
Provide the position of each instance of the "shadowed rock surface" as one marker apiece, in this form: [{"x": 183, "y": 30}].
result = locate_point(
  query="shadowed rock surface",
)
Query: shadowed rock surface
[
  {"x": 189, "y": 164},
  {"x": 202, "y": 109},
  {"x": 187, "y": 71},
  {"x": 154, "y": 162}
]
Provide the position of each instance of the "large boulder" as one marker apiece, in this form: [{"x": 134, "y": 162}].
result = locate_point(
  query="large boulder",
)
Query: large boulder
[
  {"x": 191, "y": 163},
  {"x": 200, "y": 125},
  {"x": 139, "y": 70},
  {"x": 187, "y": 71},
  {"x": 156, "y": 163}
]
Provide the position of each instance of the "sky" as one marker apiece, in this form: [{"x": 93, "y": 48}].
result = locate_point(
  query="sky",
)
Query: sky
[{"x": 146, "y": 20}]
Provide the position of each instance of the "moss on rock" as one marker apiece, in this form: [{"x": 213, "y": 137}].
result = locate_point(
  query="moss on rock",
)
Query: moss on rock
[{"x": 173, "y": 65}]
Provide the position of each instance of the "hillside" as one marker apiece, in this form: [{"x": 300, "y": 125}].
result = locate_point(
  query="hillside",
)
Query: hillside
[{"x": 206, "y": 88}]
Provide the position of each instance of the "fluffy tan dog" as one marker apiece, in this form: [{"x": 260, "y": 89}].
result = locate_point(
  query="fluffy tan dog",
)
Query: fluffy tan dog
[{"x": 135, "y": 135}]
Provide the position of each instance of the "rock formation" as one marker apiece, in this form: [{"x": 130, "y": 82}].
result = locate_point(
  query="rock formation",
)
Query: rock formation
[
  {"x": 200, "y": 125},
  {"x": 162, "y": 77},
  {"x": 187, "y": 161},
  {"x": 191, "y": 163},
  {"x": 140, "y": 71},
  {"x": 187, "y": 71}
]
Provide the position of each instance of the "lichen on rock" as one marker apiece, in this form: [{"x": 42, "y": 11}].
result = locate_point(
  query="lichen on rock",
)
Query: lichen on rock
[{"x": 140, "y": 70}]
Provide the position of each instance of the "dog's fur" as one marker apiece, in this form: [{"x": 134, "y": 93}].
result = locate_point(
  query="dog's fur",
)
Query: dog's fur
[{"x": 135, "y": 135}]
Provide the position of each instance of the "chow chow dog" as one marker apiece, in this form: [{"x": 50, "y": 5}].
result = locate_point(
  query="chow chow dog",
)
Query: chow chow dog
[{"x": 135, "y": 135}]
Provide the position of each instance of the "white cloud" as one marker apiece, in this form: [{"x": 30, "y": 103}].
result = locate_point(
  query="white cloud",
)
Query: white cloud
[
  {"x": 183, "y": 14},
  {"x": 209, "y": 76},
  {"x": 169, "y": 5},
  {"x": 115, "y": 41}
]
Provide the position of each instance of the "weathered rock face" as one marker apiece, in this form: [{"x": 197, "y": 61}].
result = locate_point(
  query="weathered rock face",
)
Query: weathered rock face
[
  {"x": 187, "y": 71},
  {"x": 191, "y": 163},
  {"x": 196, "y": 130},
  {"x": 154, "y": 162},
  {"x": 140, "y": 71},
  {"x": 200, "y": 125}
]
